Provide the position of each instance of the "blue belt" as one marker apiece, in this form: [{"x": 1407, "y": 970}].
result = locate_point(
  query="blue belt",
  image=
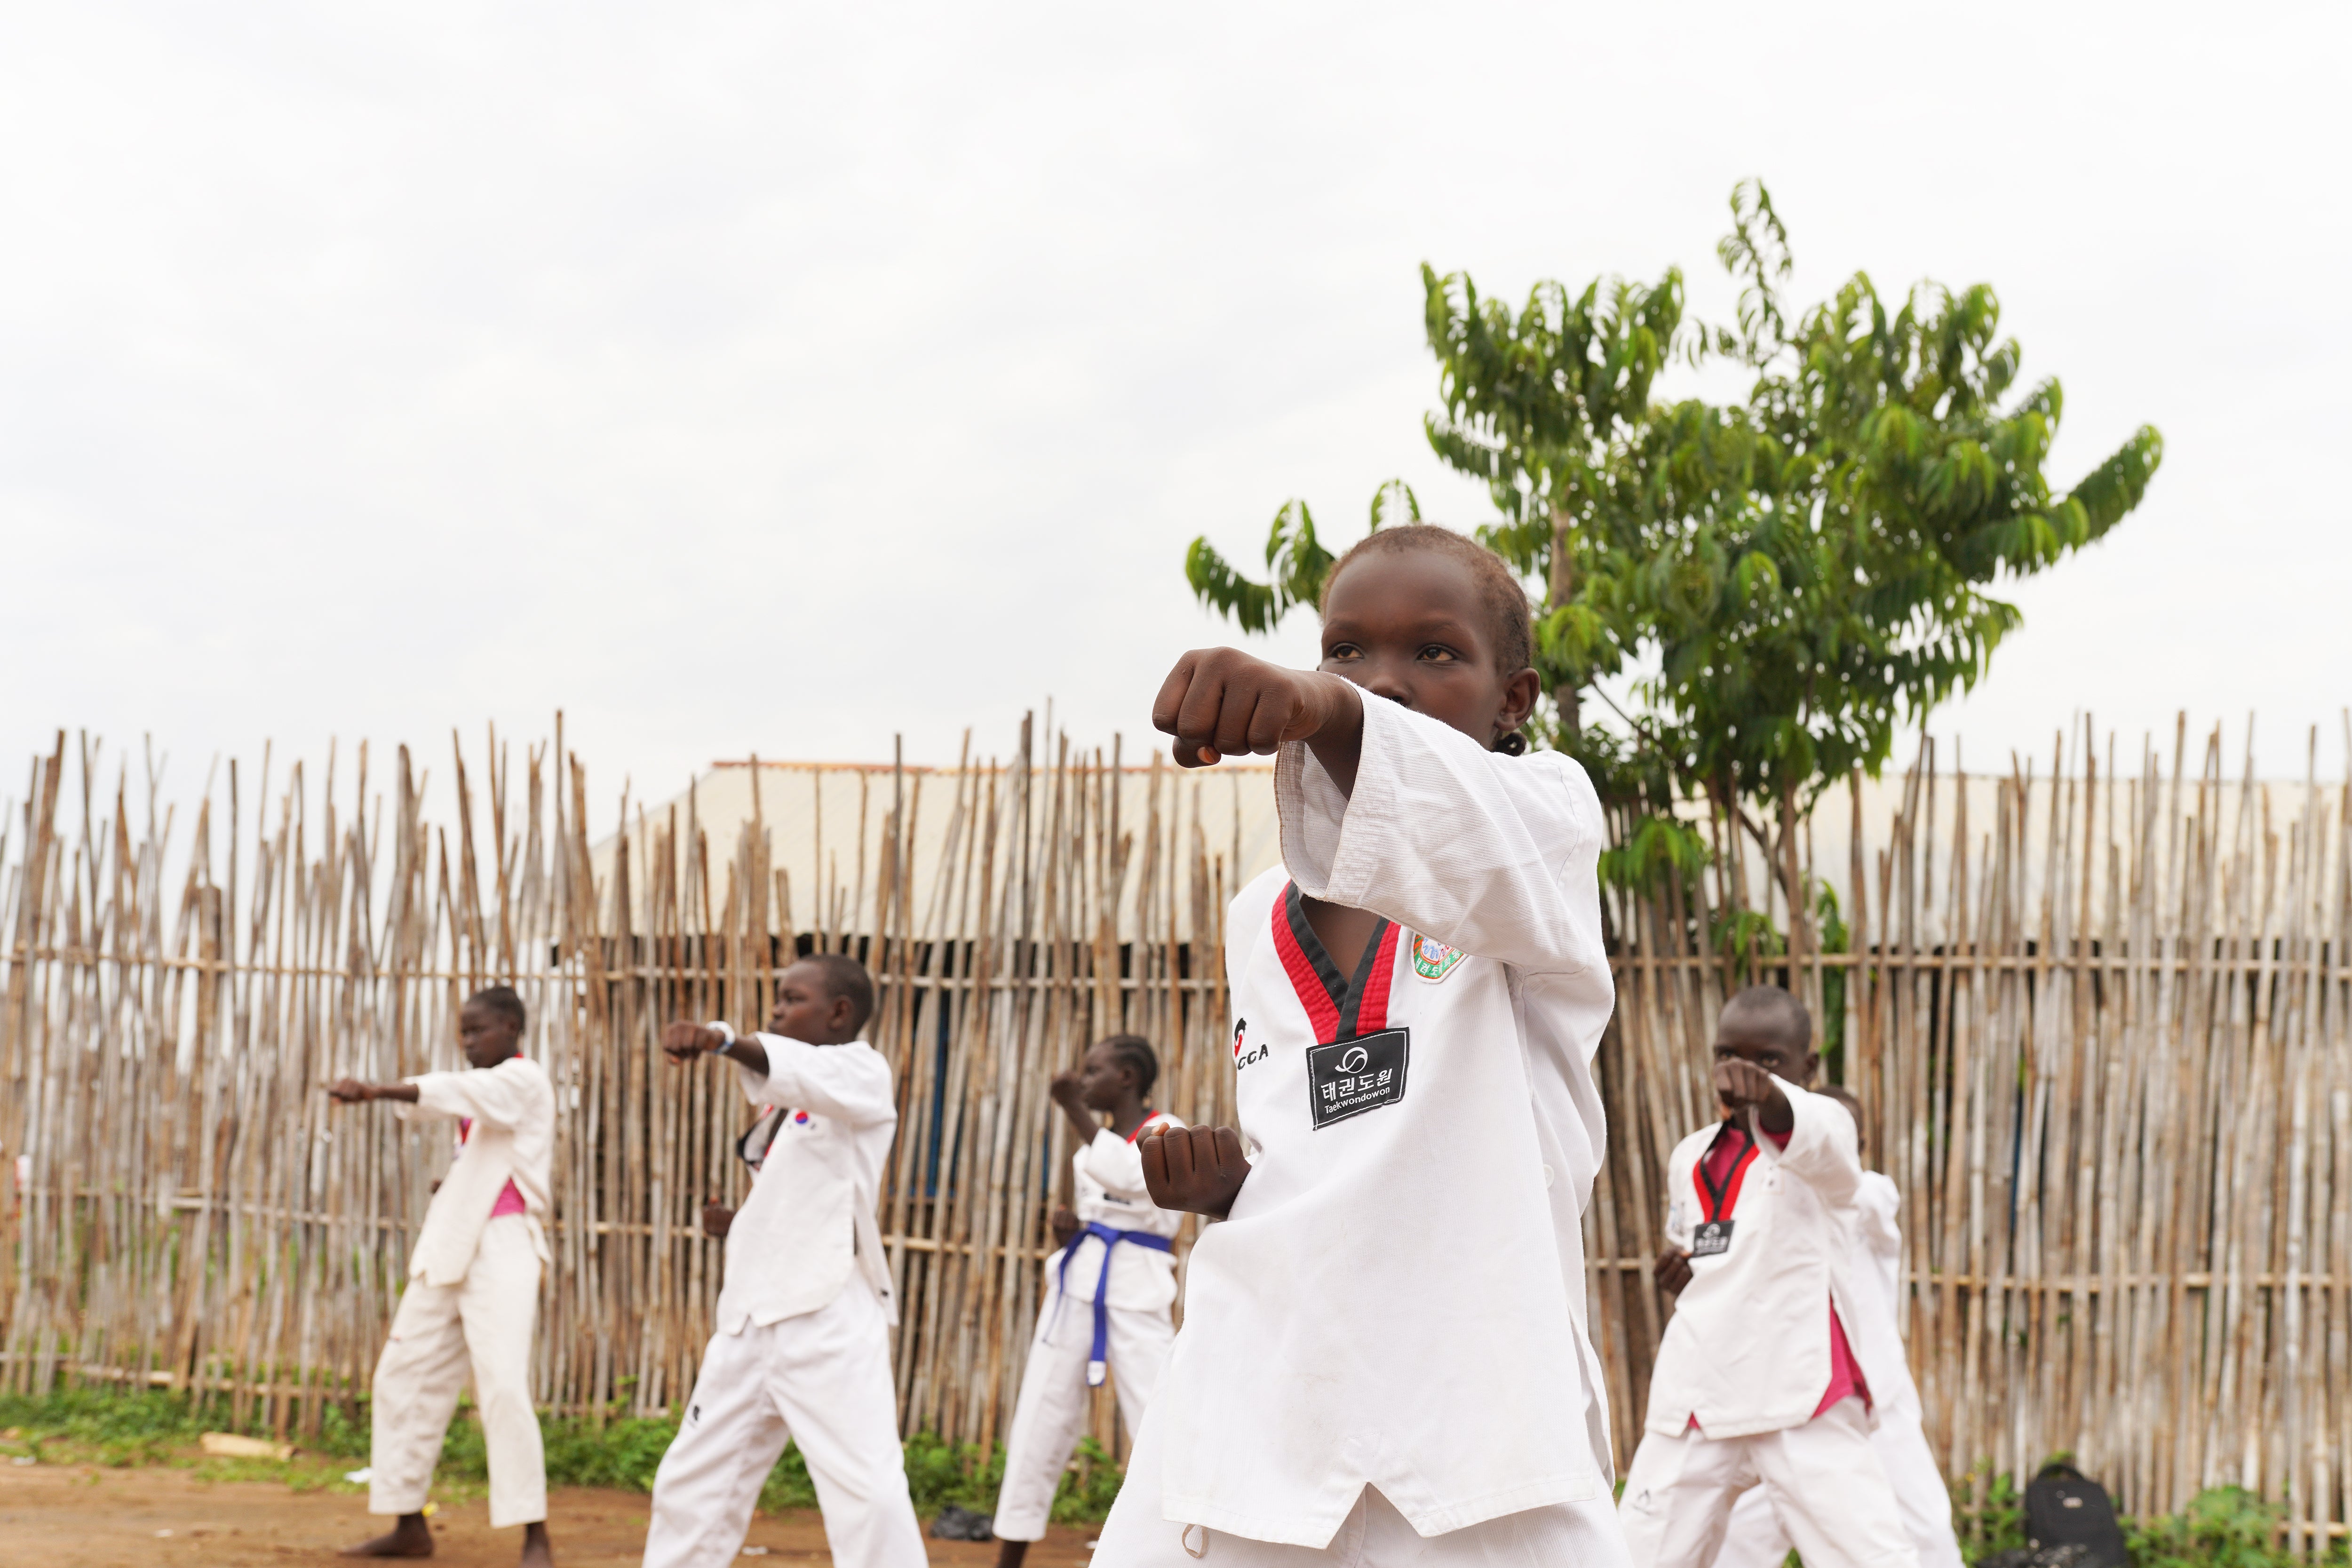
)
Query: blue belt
[{"x": 1096, "y": 1361}]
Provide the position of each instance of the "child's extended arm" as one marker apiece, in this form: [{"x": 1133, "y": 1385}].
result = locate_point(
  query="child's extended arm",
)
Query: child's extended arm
[
  {"x": 682, "y": 1042},
  {"x": 852, "y": 1086},
  {"x": 1221, "y": 703},
  {"x": 1066, "y": 1094},
  {"x": 353, "y": 1092},
  {"x": 1821, "y": 1150},
  {"x": 1403, "y": 816}
]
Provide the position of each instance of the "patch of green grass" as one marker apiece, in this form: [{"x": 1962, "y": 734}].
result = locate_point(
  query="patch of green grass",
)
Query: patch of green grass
[
  {"x": 118, "y": 1429},
  {"x": 2222, "y": 1527}
]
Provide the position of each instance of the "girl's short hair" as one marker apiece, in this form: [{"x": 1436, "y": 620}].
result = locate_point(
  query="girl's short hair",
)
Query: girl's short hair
[
  {"x": 1508, "y": 619},
  {"x": 1134, "y": 1053}
]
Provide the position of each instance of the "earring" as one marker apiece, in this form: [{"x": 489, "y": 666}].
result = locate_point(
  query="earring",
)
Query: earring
[{"x": 1512, "y": 745}]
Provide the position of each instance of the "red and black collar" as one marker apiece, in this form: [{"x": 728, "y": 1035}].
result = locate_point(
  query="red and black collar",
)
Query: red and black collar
[{"x": 1339, "y": 1009}]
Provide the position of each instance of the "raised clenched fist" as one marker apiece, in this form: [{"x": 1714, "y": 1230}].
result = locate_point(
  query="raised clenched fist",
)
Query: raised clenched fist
[
  {"x": 682, "y": 1041},
  {"x": 1742, "y": 1085},
  {"x": 1221, "y": 702},
  {"x": 1196, "y": 1170}
]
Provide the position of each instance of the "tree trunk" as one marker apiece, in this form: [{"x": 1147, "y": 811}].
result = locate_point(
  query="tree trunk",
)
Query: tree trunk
[{"x": 1557, "y": 593}]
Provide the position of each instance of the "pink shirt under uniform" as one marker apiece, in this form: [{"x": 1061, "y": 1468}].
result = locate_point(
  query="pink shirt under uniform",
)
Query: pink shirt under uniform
[{"x": 510, "y": 1196}]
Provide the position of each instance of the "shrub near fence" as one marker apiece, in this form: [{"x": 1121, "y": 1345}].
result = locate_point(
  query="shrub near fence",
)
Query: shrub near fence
[{"x": 2098, "y": 1029}]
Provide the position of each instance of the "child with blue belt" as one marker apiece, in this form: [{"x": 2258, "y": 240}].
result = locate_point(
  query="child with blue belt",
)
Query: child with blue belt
[{"x": 1107, "y": 1290}]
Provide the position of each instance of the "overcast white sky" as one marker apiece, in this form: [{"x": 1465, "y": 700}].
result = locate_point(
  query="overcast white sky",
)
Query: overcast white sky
[{"x": 778, "y": 378}]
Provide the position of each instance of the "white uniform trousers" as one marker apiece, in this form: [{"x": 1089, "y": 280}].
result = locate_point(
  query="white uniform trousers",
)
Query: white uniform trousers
[
  {"x": 1373, "y": 1536},
  {"x": 1821, "y": 1479},
  {"x": 1755, "y": 1538},
  {"x": 483, "y": 1321},
  {"x": 820, "y": 1379},
  {"x": 1054, "y": 1400}
]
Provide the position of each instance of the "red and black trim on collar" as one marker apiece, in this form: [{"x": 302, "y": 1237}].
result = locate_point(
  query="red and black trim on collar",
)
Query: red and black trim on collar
[
  {"x": 1715, "y": 1204},
  {"x": 1339, "y": 1010}
]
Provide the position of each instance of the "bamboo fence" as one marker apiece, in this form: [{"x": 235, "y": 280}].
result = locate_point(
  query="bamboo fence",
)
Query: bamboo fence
[{"x": 2099, "y": 1038}]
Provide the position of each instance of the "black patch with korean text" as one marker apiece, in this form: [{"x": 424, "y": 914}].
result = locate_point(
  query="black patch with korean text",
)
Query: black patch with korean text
[
  {"x": 1349, "y": 1078},
  {"x": 1711, "y": 1239}
]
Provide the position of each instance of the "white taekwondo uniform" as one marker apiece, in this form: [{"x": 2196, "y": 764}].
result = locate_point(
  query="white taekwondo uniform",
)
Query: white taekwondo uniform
[
  {"x": 472, "y": 1298},
  {"x": 1736, "y": 1393},
  {"x": 1755, "y": 1537},
  {"x": 803, "y": 1347},
  {"x": 1107, "y": 1296},
  {"x": 1384, "y": 1356}
]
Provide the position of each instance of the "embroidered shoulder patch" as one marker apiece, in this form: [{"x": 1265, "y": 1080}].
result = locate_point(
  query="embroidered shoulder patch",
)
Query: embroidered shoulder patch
[{"x": 1433, "y": 960}]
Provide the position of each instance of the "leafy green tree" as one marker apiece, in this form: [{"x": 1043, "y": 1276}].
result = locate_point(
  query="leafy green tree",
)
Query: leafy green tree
[{"x": 1789, "y": 578}]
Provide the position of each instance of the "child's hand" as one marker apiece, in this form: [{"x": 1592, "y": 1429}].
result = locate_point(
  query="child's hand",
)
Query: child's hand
[
  {"x": 1066, "y": 1093},
  {"x": 717, "y": 1217},
  {"x": 1743, "y": 1087},
  {"x": 1065, "y": 1227},
  {"x": 1220, "y": 702},
  {"x": 1196, "y": 1170},
  {"x": 682, "y": 1041},
  {"x": 1672, "y": 1270},
  {"x": 350, "y": 1092}
]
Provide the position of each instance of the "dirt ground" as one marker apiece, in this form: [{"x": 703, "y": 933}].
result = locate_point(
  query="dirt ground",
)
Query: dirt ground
[{"x": 77, "y": 1516}]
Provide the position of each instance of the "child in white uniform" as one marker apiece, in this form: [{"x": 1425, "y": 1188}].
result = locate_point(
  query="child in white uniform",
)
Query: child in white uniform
[
  {"x": 1756, "y": 1538},
  {"x": 1384, "y": 1357},
  {"x": 1756, "y": 1381},
  {"x": 1107, "y": 1290},
  {"x": 473, "y": 1287},
  {"x": 803, "y": 1347}
]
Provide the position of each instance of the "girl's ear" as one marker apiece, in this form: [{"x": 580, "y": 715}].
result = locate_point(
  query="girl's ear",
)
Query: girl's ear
[{"x": 1519, "y": 692}]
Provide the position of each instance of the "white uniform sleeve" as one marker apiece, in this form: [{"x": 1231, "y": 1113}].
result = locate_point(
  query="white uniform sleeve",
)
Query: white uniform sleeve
[
  {"x": 502, "y": 1095},
  {"x": 1490, "y": 853},
  {"x": 1118, "y": 1162},
  {"x": 851, "y": 1084},
  {"x": 1822, "y": 1147}
]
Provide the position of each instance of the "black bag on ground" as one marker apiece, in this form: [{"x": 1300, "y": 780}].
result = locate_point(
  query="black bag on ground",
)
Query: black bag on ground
[{"x": 2065, "y": 1508}]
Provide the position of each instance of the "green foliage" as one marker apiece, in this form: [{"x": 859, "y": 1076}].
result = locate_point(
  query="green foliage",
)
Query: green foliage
[
  {"x": 106, "y": 1427},
  {"x": 1297, "y": 563},
  {"x": 2222, "y": 1527},
  {"x": 96, "y": 1426},
  {"x": 1797, "y": 573},
  {"x": 1658, "y": 847},
  {"x": 1998, "y": 1526},
  {"x": 1088, "y": 1487}
]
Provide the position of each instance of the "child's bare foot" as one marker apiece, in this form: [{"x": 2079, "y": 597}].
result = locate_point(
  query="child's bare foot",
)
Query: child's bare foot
[
  {"x": 412, "y": 1536},
  {"x": 535, "y": 1551}
]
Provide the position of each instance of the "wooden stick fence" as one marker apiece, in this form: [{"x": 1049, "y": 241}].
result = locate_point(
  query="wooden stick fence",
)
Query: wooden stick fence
[{"x": 2100, "y": 1040}]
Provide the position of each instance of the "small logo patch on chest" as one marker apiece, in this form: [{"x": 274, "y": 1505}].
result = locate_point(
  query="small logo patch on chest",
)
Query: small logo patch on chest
[
  {"x": 1433, "y": 960},
  {"x": 1349, "y": 1078}
]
